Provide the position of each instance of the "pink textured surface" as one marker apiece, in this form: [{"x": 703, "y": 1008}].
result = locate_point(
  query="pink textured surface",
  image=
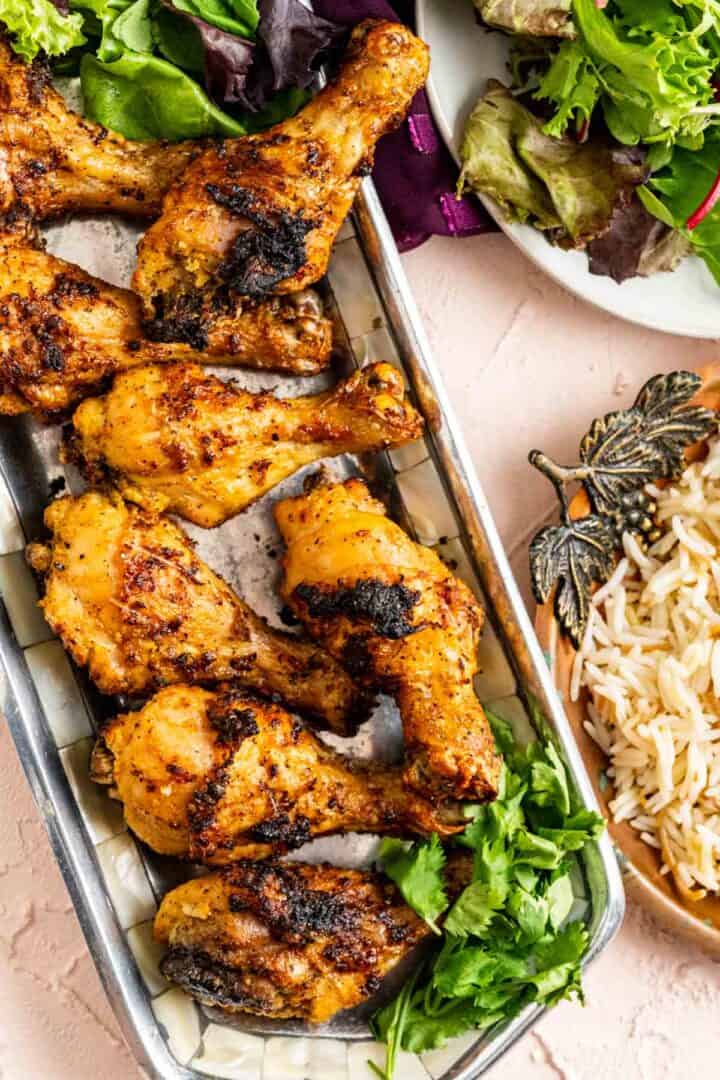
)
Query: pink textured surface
[{"x": 525, "y": 365}]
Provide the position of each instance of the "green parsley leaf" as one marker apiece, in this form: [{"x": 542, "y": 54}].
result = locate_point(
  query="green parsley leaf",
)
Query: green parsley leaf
[
  {"x": 530, "y": 912},
  {"x": 576, "y": 831},
  {"x": 567, "y": 948},
  {"x": 548, "y": 779},
  {"x": 503, "y": 947},
  {"x": 559, "y": 898},
  {"x": 534, "y": 850},
  {"x": 423, "y": 1033},
  {"x": 473, "y": 910},
  {"x": 417, "y": 871},
  {"x": 391, "y": 1024}
]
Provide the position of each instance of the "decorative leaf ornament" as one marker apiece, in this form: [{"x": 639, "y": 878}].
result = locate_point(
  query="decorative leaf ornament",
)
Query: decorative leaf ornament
[{"x": 621, "y": 453}]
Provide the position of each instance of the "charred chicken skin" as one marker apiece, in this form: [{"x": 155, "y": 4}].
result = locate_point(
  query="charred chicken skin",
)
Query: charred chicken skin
[
  {"x": 174, "y": 438},
  {"x": 63, "y": 332},
  {"x": 130, "y": 599},
  {"x": 53, "y": 162},
  {"x": 222, "y": 775},
  {"x": 285, "y": 939},
  {"x": 396, "y": 616},
  {"x": 258, "y": 215}
]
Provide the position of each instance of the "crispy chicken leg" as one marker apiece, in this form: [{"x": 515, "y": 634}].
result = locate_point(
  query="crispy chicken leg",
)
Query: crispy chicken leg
[
  {"x": 222, "y": 775},
  {"x": 398, "y": 619},
  {"x": 175, "y": 438},
  {"x": 260, "y": 214},
  {"x": 63, "y": 331},
  {"x": 285, "y": 939},
  {"x": 52, "y": 161},
  {"x": 130, "y": 600}
]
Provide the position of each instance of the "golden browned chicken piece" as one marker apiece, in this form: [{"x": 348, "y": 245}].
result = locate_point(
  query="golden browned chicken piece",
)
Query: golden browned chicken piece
[
  {"x": 174, "y": 438},
  {"x": 259, "y": 214},
  {"x": 131, "y": 600},
  {"x": 222, "y": 775},
  {"x": 62, "y": 331},
  {"x": 52, "y": 161},
  {"x": 285, "y": 939},
  {"x": 394, "y": 614}
]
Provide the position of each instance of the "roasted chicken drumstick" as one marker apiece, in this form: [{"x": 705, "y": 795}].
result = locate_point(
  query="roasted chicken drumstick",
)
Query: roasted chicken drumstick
[
  {"x": 173, "y": 437},
  {"x": 130, "y": 600},
  {"x": 222, "y": 775},
  {"x": 285, "y": 939},
  {"x": 394, "y": 614},
  {"x": 259, "y": 214},
  {"x": 63, "y": 332},
  {"x": 52, "y": 161}
]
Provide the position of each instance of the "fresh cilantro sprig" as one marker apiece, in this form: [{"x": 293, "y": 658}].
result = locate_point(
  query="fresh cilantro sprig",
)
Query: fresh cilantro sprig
[
  {"x": 506, "y": 942},
  {"x": 417, "y": 871}
]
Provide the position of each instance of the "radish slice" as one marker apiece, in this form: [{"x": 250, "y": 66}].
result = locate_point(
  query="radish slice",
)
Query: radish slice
[{"x": 705, "y": 206}]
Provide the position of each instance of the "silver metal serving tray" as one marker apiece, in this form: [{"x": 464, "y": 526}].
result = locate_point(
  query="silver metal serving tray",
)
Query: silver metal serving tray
[{"x": 52, "y": 709}]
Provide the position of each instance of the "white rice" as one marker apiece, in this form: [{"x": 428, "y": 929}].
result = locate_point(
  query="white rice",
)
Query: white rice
[{"x": 650, "y": 661}]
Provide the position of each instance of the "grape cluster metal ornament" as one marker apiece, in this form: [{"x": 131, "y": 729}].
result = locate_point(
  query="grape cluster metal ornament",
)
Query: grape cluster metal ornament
[{"x": 621, "y": 453}]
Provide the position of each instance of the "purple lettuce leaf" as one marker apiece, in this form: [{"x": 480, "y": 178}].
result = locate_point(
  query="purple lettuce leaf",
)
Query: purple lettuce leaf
[
  {"x": 291, "y": 43},
  {"x": 295, "y": 40},
  {"x": 227, "y": 58},
  {"x": 635, "y": 245},
  {"x": 228, "y": 62}
]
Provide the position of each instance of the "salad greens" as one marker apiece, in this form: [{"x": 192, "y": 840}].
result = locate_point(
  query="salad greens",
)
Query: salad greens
[
  {"x": 626, "y": 73},
  {"x": 140, "y": 95},
  {"x": 41, "y": 26},
  {"x": 533, "y": 17},
  {"x": 675, "y": 192},
  {"x": 177, "y": 69},
  {"x": 568, "y": 187},
  {"x": 506, "y": 890}
]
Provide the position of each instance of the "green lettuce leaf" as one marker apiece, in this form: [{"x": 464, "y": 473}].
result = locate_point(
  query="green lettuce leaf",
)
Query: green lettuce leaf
[
  {"x": 179, "y": 41},
  {"x": 491, "y": 166},
  {"x": 676, "y": 191},
  {"x": 648, "y": 66},
  {"x": 536, "y": 18},
  {"x": 237, "y": 16},
  {"x": 572, "y": 83},
  {"x": 100, "y": 17},
  {"x": 133, "y": 27},
  {"x": 585, "y": 180},
  {"x": 568, "y": 187},
  {"x": 417, "y": 869},
  {"x": 38, "y": 26},
  {"x": 144, "y": 97},
  {"x": 653, "y": 80}
]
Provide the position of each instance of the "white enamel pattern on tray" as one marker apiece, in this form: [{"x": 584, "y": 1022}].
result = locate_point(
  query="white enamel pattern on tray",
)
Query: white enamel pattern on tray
[{"x": 51, "y": 708}]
